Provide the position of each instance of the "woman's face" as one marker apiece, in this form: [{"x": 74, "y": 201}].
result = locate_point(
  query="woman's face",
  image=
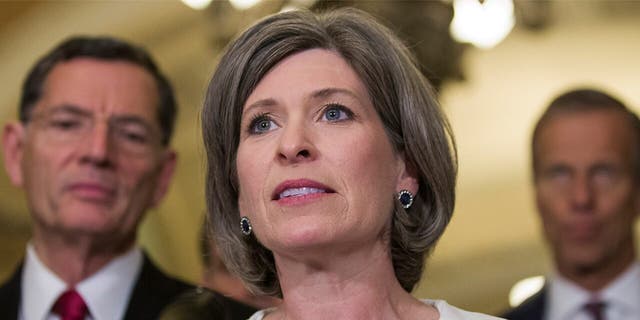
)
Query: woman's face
[{"x": 315, "y": 166}]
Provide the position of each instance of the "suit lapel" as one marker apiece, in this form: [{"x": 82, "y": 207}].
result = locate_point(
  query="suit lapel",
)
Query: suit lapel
[
  {"x": 10, "y": 294},
  {"x": 539, "y": 301},
  {"x": 531, "y": 309},
  {"x": 152, "y": 292}
]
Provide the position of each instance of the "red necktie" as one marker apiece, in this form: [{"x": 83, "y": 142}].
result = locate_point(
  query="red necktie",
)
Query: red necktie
[
  {"x": 595, "y": 309},
  {"x": 70, "y": 306}
]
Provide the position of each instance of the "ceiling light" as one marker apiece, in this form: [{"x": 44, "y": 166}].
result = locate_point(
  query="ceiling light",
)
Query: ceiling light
[
  {"x": 482, "y": 24},
  {"x": 243, "y": 4},
  {"x": 197, "y": 4}
]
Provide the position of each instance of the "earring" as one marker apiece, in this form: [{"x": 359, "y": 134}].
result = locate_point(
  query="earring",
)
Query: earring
[
  {"x": 406, "y": 198},
  {"x": 245, "y": 226}
]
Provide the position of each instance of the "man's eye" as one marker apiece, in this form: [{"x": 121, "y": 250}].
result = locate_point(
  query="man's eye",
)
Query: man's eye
[
  {"x": 605, "y": 176},
  {"x": 262, "y": 124},
  {"x": 65, "y": 124},
  {"x": 336, "y": 112},
  {"x": 558, "y": 173},
  {"x": 133, "y": 136}
]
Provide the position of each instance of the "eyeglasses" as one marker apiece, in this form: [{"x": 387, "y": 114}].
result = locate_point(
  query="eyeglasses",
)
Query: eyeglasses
[{"x": 128, "y": 134}]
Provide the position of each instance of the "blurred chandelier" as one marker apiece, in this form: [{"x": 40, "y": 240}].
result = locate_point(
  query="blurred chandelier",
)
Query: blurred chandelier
[
  {"x": 483, "y": 24},
  {"x": 237, "y": 4}
]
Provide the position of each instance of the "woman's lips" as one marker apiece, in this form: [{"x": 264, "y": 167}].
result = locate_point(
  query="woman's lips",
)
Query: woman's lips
[{"x": 299, "y": 191}]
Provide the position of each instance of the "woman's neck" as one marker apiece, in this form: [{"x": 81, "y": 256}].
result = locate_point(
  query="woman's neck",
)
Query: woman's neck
[{"x": 345, "y": 285}]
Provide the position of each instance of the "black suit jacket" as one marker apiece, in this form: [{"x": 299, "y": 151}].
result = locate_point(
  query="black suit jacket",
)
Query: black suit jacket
[
  {"x": 203, "y": 304},
  {"x": 152, "y": 292},
  {"x": 530, "y": 309}
]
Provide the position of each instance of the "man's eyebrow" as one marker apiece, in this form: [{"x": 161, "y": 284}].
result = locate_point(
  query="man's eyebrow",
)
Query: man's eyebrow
[
  {"x": 68, "y": 108},
  {"x": 122, "y": 118},
  {"x": 132, "y": 119}
]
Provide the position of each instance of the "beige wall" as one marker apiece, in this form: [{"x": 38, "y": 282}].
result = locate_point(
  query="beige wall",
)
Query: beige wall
[{"x": 494, "y": 238}]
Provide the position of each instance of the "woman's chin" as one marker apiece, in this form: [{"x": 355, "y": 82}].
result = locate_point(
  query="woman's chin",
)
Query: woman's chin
[{"x": 305, "y": 240}]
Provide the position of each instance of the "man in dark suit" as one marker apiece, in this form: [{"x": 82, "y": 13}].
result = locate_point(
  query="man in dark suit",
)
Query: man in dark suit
[
  {"x": 217, "y": 277},
  {"x": 91, "y": 150},
  {"x": 586, "y": 169}
]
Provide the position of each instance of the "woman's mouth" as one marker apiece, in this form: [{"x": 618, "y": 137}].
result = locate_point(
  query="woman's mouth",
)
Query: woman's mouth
[
  {"x": 296, "y": 192},
  {"x": 300, "y": 189}
]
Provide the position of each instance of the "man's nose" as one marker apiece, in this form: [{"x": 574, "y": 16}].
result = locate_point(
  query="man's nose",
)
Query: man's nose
[
  {"x": 97, "y": 145},
  {"x": 582, "y": 194}
]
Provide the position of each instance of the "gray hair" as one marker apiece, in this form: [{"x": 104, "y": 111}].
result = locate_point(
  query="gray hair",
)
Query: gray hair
[{"x": 403, "y": 99}]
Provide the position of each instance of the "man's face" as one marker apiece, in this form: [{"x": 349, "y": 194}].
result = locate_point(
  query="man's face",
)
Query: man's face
[
  {"x": 90, "y": 158},
  {"x": 587, "y": 194}
]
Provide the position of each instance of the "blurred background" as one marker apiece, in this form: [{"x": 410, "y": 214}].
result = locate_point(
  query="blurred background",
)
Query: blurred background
[{"x": 496, "y": 63}]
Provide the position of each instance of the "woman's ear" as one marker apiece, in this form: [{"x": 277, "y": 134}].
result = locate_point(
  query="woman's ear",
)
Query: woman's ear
[
  {"x": 12, "y": 151},
  {"x": 408, "y": 176}
]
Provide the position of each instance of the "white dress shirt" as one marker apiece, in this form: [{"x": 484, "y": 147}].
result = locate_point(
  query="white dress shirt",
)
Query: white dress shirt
[
  {"x": 566, "y": 300},
  {"x": 106, "y": 292}
]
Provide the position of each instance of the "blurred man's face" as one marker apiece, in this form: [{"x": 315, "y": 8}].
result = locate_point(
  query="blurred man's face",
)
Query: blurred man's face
[
  {"x": 90, "y": 158},
  {"x": 586, "y": 192}
]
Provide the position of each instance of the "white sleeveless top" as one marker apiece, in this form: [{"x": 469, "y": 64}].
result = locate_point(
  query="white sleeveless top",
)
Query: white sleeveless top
[{"x": 447, "y": 312}]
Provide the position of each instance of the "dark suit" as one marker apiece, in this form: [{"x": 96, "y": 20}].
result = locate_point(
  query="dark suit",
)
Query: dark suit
[
  {"x": 203, "y": 304},
  {"x": 530, "y": 309},
  {"x": 152, "y": 292}
]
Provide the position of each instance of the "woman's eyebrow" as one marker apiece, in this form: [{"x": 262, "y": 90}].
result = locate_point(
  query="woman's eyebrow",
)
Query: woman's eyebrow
[
  {"x": 268, "y": 102},
  {"x": 315, "y": 95},
  {"x": 327, "y": 92}
]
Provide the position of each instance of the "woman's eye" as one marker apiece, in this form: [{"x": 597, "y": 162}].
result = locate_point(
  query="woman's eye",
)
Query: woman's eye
[
  {"x": 335, "y": 113},
  {"x": 262, "y": 124}
]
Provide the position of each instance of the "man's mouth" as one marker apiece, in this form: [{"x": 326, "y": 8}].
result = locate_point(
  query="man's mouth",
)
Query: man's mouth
[{"x": 92, "y": 191}]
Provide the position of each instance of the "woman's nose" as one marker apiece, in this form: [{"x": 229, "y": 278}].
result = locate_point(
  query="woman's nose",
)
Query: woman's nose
[{"x": 296, "y": 144}]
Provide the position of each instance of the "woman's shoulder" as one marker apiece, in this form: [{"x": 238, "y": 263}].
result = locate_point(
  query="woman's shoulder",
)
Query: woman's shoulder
[
  {"x": 449, "y": 312},
  {"x": 260, "y": 314}
]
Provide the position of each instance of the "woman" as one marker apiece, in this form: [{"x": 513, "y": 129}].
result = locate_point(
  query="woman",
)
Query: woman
[{"x": 330, "y": 168}]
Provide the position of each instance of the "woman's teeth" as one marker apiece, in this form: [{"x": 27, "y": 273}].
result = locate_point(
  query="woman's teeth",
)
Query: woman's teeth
[{"x": 294, "y": 192}]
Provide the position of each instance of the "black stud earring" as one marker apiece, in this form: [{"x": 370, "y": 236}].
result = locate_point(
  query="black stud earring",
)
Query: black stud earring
[
  {"x": 245, "y": 226},
  {"x": 406, "y": 198}
]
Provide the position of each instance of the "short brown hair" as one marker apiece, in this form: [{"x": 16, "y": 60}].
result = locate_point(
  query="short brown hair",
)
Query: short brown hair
[
  {"x": 402, "y": 97},
  {"x": 106, "y": 49},
  {"x": 584, "y": 100}
]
